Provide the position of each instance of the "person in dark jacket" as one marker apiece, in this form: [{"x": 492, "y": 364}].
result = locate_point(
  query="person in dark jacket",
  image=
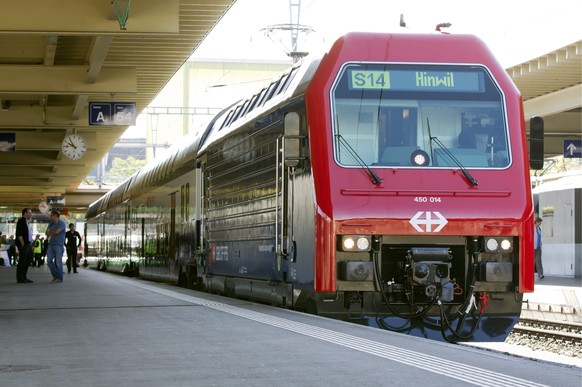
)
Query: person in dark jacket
[
  {"x": 72, "y": 241},
  {"x": 23, "y": 243},
  {"x": 45, "y": 243},
  {"x": 11, "y": 250}
]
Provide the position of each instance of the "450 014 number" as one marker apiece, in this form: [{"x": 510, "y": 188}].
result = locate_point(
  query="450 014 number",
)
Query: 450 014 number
[{"x": 427, "y": 199}]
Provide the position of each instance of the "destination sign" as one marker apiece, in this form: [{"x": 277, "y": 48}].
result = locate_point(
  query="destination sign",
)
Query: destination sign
[
  {"x": 112, "y": 113},
  {"x": 416, "y": 80}
]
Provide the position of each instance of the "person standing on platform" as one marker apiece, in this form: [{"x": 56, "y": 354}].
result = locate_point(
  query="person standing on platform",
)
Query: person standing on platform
[
  {"x": 3, "y": 242},
  {"x": 44, "y": 248},
  {"x": 538, "y": 247},
  {"x": 36, "y": 250},
  {"x": 56, "y": 232},
  {"x": 11, "y": 250},
  {"x": 73, "y": 241},
  {"x": 23, "y": 242}
]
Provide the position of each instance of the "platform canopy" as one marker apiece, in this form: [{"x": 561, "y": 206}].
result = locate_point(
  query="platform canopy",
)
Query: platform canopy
[
  {"x": 57, "y": 57},
  {"x": 551, "y": 87}
]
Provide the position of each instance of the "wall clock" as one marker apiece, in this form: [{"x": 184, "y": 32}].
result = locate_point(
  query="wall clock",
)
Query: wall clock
[{"x": 74, "y": 146}]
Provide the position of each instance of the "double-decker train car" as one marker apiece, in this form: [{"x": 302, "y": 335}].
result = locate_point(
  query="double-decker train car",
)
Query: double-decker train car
[{"x": 386, "y": 181}]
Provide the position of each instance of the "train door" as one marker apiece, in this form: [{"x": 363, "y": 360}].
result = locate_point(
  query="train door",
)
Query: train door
[
  {"x": 201, "y": 216},
  {"x": 126, "y": 250},
  {"x": 282, "y": 217},
  {"x": 288, "y": 159},
  {"x": 199, "y": 196},
  {"x": 124, "y": 245},
  {"x": 142, "y": 249},
  {"x": 172, "y": 236}
]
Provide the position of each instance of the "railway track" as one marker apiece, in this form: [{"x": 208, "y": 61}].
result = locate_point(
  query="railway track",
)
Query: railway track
[
  {"x": 542, "y": 339},
  {"x": 551, "y": 336},
  {"x": 563, "y": 331}
]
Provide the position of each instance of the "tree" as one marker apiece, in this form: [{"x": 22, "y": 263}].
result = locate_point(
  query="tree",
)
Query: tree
[{"x": 122, "y": 169}]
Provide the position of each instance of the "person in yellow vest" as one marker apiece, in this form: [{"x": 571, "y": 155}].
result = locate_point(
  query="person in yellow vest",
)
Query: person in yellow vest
[{"x": 37, "y": 251}]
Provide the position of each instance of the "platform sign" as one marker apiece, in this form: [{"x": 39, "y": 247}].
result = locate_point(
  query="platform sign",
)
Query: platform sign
[
  {"x": 112, "y": 113},
  {"x": 573, "y": 148}
]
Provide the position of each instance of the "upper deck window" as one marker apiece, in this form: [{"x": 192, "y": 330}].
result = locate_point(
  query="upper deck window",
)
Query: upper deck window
[{"x": 385, "y": 112}]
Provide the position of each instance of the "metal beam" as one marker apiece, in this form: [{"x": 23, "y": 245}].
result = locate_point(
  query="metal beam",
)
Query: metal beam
[
  {"x": 88, "y": 17},
  {"x": 65, "y": 80},
  {"x": 95, "y": 58},
  {"x": 553, "y": 103},
  {"x": 17, "y": 189},
  {"x": 48, "y": 118},
  {"x": 50, "y": 50},
  {"x": 80, "y": 104},
  {"x": 52, "y": 140}
]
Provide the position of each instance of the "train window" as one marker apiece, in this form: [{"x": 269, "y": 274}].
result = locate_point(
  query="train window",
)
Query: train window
[
  {"x": 269, "y": 93},
  {"x": 219, "y": 123},
  {"x": 226, "y": 121},
  {"x": 241, "y": 110},
  {"x": 287, "y": 81},
  {"x": 261, "y": 96},
  {"x": 282, "y": 83},
  {"x": 246, "y": 107},
  {"x": 236, "y": 113},
  {"x": 278, "y": 85},
  {"x": 252, "y": 103},
  {"x": 383, "y": 113}
]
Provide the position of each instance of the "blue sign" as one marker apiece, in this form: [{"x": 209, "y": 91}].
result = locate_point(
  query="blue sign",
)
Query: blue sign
[
  {"x": 112, "y": 113},
  {"x": 573, "y": 148}
]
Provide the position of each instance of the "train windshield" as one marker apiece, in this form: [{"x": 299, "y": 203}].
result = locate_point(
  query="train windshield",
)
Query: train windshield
[{"x": 388, "y": 114}]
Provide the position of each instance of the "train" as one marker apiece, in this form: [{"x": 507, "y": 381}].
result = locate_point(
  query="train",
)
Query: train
[{"x": 384, "y": 182}]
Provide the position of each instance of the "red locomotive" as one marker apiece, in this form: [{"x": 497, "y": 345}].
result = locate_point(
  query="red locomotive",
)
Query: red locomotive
[{"x": 386, "y": 182}]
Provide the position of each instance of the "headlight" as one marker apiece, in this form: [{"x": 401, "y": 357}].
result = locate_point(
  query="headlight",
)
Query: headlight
[
  {"x": 348, "y": 243},
  {"x": 356, "y": 243},
  {"x": 420, "y": 158},
  {"x": 506, "y": 245},
  {"x": 499, "y": 244},
  {"x": 491, "y": 244}
]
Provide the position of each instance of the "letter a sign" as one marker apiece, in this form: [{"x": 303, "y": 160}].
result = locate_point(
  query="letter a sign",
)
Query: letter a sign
[{"x": 112, "y": 113}]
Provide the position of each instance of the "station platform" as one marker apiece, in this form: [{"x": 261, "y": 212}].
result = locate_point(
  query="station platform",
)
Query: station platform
[
  {"x": 100, "y": 329},
  {"x": 555, "y": 298}
]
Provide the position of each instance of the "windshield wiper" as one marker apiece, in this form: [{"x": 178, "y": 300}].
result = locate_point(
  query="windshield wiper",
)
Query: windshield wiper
[
  {"x": 375, "y": 179},
  {"x": 466, "y": 173}
]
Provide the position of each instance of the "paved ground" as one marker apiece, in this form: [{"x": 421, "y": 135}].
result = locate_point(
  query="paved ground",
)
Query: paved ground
[{"x": 99, "y": 329}]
